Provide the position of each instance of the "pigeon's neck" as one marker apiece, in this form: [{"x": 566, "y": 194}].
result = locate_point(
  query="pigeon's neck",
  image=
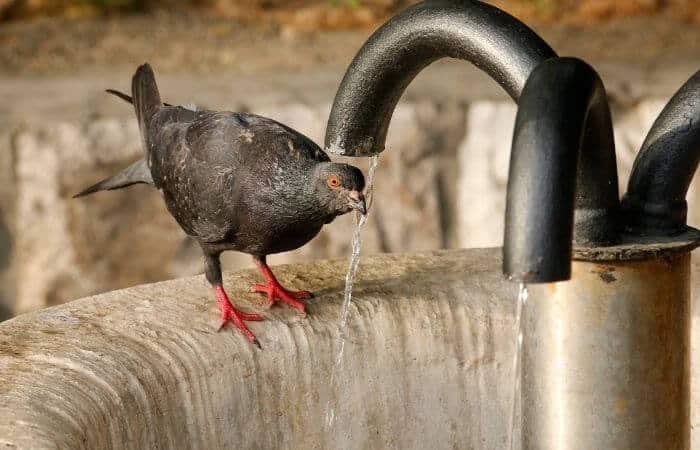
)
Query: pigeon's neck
[
  {"x": 316, "y": 199},
  {"x": 300, "y": 200},
  {"x": 315, "y": 203}
]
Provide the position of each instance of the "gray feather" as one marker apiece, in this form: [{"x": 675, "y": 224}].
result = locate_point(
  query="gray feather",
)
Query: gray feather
[
  {"x": 136, "y": 173},
  {"x": 125, "y": 97}
]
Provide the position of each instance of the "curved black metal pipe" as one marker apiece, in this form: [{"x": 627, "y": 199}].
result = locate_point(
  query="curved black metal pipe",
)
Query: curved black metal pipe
[
  {"x": 655, "y": 200},
  {"x": 494, "y": 41},
  {"x": 563, "y": 131}
]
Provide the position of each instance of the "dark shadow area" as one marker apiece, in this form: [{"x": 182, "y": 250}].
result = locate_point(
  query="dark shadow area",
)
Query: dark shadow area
[
  {"x": 5, "y": 312},
  {"x": 5, "y": 244},
  {"x": 5, "y": 252}
]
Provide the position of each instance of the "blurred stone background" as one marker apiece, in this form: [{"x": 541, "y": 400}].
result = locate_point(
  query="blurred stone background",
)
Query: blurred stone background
[{"x": 441, "y": 181}]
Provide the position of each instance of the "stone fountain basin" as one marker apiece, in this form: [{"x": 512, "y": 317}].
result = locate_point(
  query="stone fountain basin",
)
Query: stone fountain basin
[{"x": 428, "y": 363}]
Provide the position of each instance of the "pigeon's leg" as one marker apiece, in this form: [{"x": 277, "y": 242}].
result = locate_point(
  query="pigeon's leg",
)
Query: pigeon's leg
[
  {"x": 228, "y": 312},
  {"x": 274, "y": 290}
]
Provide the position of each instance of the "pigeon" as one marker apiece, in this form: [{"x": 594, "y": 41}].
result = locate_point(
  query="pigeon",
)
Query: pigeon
[{"x": 236, "y": 181}]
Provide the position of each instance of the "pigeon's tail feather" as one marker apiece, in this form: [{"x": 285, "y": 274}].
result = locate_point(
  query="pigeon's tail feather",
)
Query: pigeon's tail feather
[
  {"x": 125, "y": 97},
  {"x": 138, "y": 172},
  {"x": 145, "y": 96},
  {"x": 121, "y": 95}
]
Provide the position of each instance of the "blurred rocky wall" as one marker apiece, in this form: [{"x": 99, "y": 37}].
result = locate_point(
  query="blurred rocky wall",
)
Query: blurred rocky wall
[{"x": 441, "y": 184}]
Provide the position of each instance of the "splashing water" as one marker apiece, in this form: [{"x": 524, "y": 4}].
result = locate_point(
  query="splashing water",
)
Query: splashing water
[
  {"x": 517, "y": 361},
  {"x": 354, "y": 261}
]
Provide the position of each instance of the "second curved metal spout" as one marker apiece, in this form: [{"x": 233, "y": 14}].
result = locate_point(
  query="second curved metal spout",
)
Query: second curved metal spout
[{"x": 563, "y": 155}]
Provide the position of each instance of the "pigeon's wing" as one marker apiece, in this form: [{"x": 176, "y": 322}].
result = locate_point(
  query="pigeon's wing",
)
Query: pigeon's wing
[
  {"x": 166, "y": 132},
  {"x": 246, "y": 146},
  {"x": 195, "y": 173},
  {"x": 286, "y": 144}
]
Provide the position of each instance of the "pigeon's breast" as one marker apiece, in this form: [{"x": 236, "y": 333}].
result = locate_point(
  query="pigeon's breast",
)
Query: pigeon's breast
[
  {"x": 272, "y": 222},
  {"x": 257, "y": 240}
]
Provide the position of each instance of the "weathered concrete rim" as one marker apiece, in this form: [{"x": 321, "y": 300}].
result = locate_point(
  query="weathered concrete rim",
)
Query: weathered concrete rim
[{"x": 144, "y": 368}]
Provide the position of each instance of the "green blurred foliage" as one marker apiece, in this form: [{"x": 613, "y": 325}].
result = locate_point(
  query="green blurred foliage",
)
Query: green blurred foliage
[{"x": 348, "y": 3}]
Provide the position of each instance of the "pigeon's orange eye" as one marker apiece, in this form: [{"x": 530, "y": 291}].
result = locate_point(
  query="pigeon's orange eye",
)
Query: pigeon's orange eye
[{"x": 333, "y": 181}]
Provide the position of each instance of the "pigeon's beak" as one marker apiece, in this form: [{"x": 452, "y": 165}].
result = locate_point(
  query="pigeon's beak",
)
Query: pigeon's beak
[{"x": 357, "y": 202}]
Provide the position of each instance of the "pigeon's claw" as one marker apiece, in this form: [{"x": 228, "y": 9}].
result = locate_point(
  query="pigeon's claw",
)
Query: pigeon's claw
[
  {"x": 275, "y": 292},
  {"x": 230, "y": 314},
  {"x": 304, "y": 295},
  {"x": 265, "y": 288}
]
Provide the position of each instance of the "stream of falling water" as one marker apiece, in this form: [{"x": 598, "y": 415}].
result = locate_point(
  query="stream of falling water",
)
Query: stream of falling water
[
  {"x": 517, "y": 362},
  {"x": 354, "y": 261}
]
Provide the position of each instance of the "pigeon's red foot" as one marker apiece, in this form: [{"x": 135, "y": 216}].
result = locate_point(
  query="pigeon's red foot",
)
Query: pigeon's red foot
[
  {"x": 231, "y": 314},
  {"x": 276, "y": 291}
]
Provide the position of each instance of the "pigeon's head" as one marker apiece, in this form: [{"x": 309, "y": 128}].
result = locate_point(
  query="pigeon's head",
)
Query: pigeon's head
[{"x": 339, "y": 187}]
